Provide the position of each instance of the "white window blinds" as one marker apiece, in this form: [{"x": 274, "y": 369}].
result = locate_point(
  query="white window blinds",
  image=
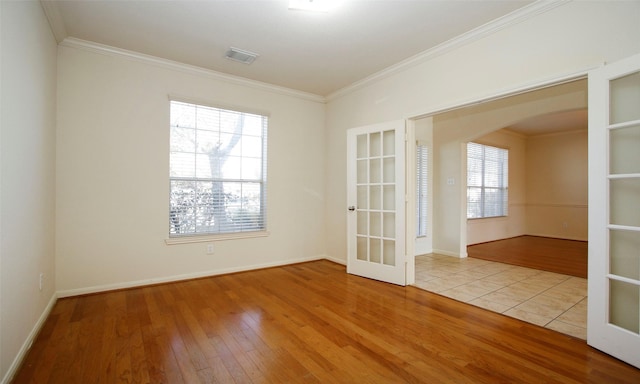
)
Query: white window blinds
[
  {"x": 487, "y": 181},
  {"x": 217, "y": 170},
  {"x": 422, "y": 183}
]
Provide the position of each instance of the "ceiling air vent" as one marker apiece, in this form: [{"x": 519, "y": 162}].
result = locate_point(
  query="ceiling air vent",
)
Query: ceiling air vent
[{"x": 240, "y": 55}]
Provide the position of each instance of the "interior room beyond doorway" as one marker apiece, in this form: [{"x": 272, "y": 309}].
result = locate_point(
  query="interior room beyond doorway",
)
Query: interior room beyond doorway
[{"x": 545, "y": 132}]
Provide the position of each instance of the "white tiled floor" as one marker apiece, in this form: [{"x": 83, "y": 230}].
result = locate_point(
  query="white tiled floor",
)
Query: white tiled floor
[{"x": 551, "y": 300}]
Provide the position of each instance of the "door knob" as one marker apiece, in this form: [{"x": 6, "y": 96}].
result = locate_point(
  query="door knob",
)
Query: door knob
[{"x": 352, "y": 208}]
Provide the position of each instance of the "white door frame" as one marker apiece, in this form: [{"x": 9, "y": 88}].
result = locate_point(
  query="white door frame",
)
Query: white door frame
[{"x": 410, "y": 202}]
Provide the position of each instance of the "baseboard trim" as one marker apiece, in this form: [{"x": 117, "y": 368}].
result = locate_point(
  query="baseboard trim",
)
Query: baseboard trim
[
  {"x": 533, "y": 235},
  {"x": 556, "y": 237},
  {"x": 186, "y": 276},
  {"x": 15, "y": 365},
  {"x": 448, "y": 253},
  {"x": 336, "y": 260}
]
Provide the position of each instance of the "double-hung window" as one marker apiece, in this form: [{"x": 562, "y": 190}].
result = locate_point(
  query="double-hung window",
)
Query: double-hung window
[
  {"x": 487, "y": 181},
  {"x": 422, "y": 183},
  {"x": 217, "y": 172}
]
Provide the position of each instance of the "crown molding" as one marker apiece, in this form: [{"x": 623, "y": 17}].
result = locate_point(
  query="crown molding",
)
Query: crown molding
[
  {"x": 562, "y": 133},
  {"x": 54, "y": 17},
  {"x": 72, "y": 42},
  {"x": 518, "y": 16}
]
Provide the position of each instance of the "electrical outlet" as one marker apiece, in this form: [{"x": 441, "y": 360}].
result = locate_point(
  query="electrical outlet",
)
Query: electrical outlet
[
  {"x": 41, "y": 279},
  {"x": 209, "y": 249}
]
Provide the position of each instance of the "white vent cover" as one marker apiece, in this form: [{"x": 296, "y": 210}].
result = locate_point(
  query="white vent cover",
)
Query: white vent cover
[
  {"x": 314, "y": 5},
  {"x": 240, "y": 55}
]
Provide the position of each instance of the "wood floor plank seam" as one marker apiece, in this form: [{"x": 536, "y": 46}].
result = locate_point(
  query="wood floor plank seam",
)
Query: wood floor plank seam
[{"x": 304, "y": 323}]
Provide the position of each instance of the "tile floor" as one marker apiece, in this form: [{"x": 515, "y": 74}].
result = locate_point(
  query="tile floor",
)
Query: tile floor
[{"x": 551, "y": 300}]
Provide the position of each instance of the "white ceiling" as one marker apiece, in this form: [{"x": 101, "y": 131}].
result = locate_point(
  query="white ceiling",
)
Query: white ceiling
[{"x": 318, "y": 53}]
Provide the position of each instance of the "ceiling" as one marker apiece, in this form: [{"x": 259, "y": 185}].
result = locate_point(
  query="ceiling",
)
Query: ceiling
[
  {"x": 317, "y": 53},
  {"x": 565, "y": 121},
  {"x": 547, "y": 110}
]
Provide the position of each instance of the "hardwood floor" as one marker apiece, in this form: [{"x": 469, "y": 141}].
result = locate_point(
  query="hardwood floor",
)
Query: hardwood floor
[
  {"x": 567, "y": 257},
  {"x": 308, "y": 323}
]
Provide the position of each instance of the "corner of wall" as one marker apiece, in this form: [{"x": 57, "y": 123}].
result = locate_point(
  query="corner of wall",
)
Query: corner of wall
[
  {"x": 17, "y": 361},
  {"x": 335, "y": 259}
]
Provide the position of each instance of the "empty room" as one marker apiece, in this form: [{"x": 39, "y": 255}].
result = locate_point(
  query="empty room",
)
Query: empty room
[
  {"x": 225, "y": 191},
  {"x": 532, "y": 219}
]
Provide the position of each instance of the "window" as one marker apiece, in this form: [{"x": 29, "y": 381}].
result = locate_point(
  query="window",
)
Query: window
[
  {"x": 487, "y": 181},
  {"x": 422, "y": 183},
  {"x": 217, "y": 170}
]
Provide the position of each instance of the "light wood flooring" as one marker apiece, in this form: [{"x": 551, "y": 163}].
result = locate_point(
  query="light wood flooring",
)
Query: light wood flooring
[{"x": 304, "y": 323}]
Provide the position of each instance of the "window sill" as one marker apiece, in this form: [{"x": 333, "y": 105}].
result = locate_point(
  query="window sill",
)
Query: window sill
[
  {"x": 486, "y": 218},
  {"x": 209, "y": 238}
]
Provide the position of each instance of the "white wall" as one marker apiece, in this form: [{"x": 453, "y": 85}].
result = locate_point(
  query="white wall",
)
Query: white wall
[
  {"x": 113, "y": 170},
  {"x": 564, "y": 40},
  {"x": 27, "y": 171}
]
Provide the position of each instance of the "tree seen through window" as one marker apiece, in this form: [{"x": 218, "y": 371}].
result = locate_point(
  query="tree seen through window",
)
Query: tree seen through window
[{"x": 217, "y": 170}]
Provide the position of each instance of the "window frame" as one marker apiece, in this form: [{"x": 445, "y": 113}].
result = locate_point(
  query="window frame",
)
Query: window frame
[
  {"x": 197, "y": 234},
  {"x": 503, "y": 188}
]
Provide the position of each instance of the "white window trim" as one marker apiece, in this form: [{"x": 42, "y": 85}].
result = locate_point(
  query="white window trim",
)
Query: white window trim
[{"x": 207, "y": 238}]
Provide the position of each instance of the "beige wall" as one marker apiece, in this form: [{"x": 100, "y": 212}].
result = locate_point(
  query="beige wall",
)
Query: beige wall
[
  {"x": 109, "y": 167},
  {"x": 452, "y": 230},
  {"x": 27, "y": 174},
  {"x": 547, "y": 187},
  {"x": 557, "y": 190},
  {"x": 567, "y": 39},
  {"x": 113, "y": 174}
]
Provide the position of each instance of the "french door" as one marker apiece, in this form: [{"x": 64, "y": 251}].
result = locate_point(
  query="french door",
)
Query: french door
[
  {"x": 613, "y": 324},
  {"x": 376, "y": 202}
]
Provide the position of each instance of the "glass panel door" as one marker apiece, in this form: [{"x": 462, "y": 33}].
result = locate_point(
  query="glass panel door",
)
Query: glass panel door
[
  {"x": 624, "y": 202},
  {"x": 376, "y": 204},
  {"x": 614, "y": 210}
]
